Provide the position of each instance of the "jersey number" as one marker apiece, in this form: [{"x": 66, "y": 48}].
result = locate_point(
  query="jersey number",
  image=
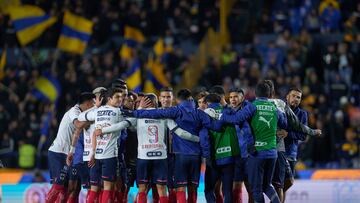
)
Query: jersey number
[{"x": 153, "y": 133}]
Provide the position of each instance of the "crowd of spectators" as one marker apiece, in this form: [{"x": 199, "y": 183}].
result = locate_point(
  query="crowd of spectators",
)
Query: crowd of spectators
[{"x": 326, "y": 72}]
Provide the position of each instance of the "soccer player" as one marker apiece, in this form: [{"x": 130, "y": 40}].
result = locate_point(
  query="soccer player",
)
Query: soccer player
[
  {"x": 219, "y": 90},
  {"x": 282, "y": 165},
  {"x": 151, "y": 163},
  {"x": 200, "y": 97},
  {"x": 225, "y": 148},
  {"x": 166, "y": 99},
  {"x": 120, "y": 184},
  {"x": 61, "y": 146},
  {"x": 106, "y": 144},
  {"x": 83, "y": 145},
  {"x": 245, "y": 138},
  {"x": 187, "y": 153},
  {"x": 130, "y": 150},
  {"x": 264, "y": 118},
  {"x": 293, "y": 99}
]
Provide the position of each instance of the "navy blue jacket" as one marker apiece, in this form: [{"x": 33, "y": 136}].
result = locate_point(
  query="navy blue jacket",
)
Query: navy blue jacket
[
  {"x": 244, "y": 133},
  {"x": 187, "y": 117},
  {"x": 246, "y": 114},
  {"x": 293, "y": 138}
]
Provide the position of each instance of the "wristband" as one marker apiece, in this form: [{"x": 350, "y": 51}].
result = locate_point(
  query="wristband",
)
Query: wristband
[{"x": 72, "y": 149}]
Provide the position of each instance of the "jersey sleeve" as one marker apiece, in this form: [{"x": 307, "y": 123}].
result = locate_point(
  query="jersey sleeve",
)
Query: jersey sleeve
[
  {"x": 116, "y": 127},
  {"x": 87, "y": 115},
  {"x": 74, "y": 113},
  {"x": 205, "y": 143}
]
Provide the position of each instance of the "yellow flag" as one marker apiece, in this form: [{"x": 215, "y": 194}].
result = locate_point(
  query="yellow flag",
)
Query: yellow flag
[{"x": 2, "y": 64}]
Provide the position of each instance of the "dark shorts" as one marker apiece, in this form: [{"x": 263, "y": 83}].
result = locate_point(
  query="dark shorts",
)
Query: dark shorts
[
  {"x": 240, "y": 171},
  {"x": 171, "y": 165},
  {"x": 104, "y": 169},
  {"x": 151, "y": 171},
  {"x": 80, "y": 172},
  {"x": 281, "y": 166},
  {"x": 186, "y": 170},
  {"x": 56, "y": 163},
  {"x": 290, "y": 172}
]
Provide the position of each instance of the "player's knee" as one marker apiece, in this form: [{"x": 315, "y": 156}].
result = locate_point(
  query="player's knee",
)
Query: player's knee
[
  {"x": 181, "y": 189},
  {"x": 142, "y": 187},
  {"x": 237, "y": 185},
  {"x": 161, "y": 190},
  {"x": 108, "y": 185}
]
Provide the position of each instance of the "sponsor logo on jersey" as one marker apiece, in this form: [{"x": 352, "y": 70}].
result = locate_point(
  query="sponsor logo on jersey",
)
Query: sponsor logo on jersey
[
  {"x": 106, "y": 113},
  {"x": 264, "y": 107},
  {"x": 223, "y": 150},
  {"x": 152, "y": 121},
  {"x": 154, "y": 154},
  {"x": 260, "y": 144}
]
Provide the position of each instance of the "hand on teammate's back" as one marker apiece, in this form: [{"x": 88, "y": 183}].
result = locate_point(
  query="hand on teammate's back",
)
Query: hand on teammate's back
[{"x": 145, "y": 103}]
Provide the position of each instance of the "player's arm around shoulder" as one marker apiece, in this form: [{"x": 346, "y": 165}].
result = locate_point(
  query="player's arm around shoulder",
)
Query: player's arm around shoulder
[{"x": 240, "y": 116}]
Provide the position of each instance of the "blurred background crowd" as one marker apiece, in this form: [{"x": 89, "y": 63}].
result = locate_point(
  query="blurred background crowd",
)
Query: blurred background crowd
[{"x": 311, "y": 44}]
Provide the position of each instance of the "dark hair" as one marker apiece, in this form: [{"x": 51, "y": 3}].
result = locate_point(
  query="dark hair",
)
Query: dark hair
[
  {"x": 133, "y": 94},
  {"x": 262, "y": 89},
  {"x": 153, "y": 98},
  {"x": 217, "y": 89},
  {"x": 271, "y": 85},
  {"x": 120, "y": 81},
  {"x": 183, "y": 94},
  {"x": 201, "y": 95},
  {"x": 103, "y": 96},
  {"x": 166, "y": 89},
  {"x": 85, "y": 96},
  {"x": 212, "y": 98},
  {"x": 111, "y": 91},
  {"x": 120, "y": 86},
  {"x": 294, "y": 89},
  {"x": 237, "y": 90}
]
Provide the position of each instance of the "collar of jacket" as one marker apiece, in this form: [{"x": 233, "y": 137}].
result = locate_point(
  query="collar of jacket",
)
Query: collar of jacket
[
  {"x": 262, "y": 98},
  {"x": 189, "y": 104},
  {"x": 214, "y": 105}
]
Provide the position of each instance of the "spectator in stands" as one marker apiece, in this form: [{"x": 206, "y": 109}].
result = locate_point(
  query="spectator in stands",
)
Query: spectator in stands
[{"x": 349, "y": 149}]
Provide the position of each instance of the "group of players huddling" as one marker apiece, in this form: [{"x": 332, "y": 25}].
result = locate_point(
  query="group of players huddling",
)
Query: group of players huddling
[{"x": 113, "y": 137}]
